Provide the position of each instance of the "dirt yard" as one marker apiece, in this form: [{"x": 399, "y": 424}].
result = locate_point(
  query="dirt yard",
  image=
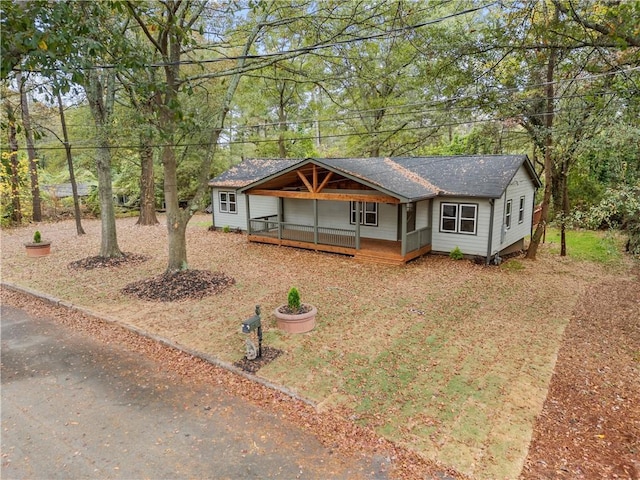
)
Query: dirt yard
[
  {"x": 590, "y": 424},
  {"x": 453, "y": 369}
]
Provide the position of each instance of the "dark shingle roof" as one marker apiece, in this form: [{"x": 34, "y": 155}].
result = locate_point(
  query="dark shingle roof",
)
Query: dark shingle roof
[
  {"x": 251, "y": 170},
  {"x": 412, "y": 178},
  {"x": 386, "y": 174},
  {"x": 63, "y": 190},
  {"x": 485, "y": 176}
]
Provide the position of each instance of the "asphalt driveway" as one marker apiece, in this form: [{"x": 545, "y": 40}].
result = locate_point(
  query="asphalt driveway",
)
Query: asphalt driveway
[{"x": 76, "y": 408}]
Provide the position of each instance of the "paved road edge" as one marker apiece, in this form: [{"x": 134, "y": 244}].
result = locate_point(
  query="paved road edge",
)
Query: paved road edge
[{"x": 164, "y": 341}]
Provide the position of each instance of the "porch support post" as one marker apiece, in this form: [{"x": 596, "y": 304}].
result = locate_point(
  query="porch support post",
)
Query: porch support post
[
  {"x": 315, "y": 217},
  {"x": 280, "y": 217},
  {"x": 358, "y": 218},
  {"x": 248, "y": 210},
  {"x": 403, "y": 229}
]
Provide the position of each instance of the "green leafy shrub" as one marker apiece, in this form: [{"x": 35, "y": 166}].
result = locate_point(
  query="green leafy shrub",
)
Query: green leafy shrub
[
  {"x": 226, "y": 229},
  {"x": 37, "y": 237},
  {"x": 456, "y": 254},
  {"x": 293, "y": 299}
]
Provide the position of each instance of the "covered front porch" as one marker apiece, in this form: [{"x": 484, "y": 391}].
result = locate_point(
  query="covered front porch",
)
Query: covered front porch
[
  {"x": 318, "y": 208},
  {"x": 338, "y": 240}
]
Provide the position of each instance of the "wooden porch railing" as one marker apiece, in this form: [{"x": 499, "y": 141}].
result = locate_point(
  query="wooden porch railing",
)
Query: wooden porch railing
[
  {"x": 266, "y": 226},
  {"x": 418, "y": 239},
  {"x": 269, "y": 226}
]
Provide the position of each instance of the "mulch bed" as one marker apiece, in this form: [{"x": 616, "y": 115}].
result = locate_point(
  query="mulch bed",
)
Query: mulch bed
[
  {"x": 187, "y": 284},
  {"x": 90, "y": 263},
  {"x": 269, "y": 354},
  {"x": 590, "y": 423}
]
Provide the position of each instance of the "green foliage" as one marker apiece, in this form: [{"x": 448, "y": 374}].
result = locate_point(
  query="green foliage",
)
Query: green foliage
[
  {"x": 37, "y": 237},
  {"x": 633, "y": 230},
  {"x": 512, "y": 265},
  {"x": 456, "y": 254},
  {"x": 588, "y": 245},
  {"x": 24, "y": 189},
  {"x": 293, "y": 299},
  {"x": 93, "y": 202},
  {"x": 226, "y": 229},
  {"x": 618, "y": 207}
]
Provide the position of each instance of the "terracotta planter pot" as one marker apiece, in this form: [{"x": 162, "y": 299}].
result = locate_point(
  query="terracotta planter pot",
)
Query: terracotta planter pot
[
  {"x": 38, "y": 249},
  {"x": 298, "y": 323}
]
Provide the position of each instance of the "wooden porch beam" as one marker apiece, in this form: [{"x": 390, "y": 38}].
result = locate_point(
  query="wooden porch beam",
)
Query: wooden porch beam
[
  {"x": 315, "y": 178},
  {"x": 304, "y": 179},
  {"x": 324, "y": 182},
  {"x": 341, "y": 197}
]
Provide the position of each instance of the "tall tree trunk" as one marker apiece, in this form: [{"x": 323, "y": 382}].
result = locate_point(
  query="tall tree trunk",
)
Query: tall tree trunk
[
  {"x": 101, "y": 106},
  {"x": 556, "y": 187},
  {"x": 177, "y": 218},
  {"x": 147, "y": 186},
  {"x": 72, "y": 176},
  {"x": 31, "y": 151},
  {"x": 565, "y": 205},
  {"x": 16, "y": 213},
  {"x": 282, "y": 127},
  {"x": 548, "y": 159}
]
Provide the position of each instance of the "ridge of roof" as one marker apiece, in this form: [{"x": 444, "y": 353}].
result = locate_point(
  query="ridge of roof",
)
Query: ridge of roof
[{"x": 414, "y": 177}]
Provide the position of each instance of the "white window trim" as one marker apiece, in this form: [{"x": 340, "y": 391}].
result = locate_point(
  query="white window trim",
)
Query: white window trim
[
  {"x": 521, "y": 209},
  {"x": 459, "y": 218},
  {"x": 363, "y": 213},
  {"x": 224, "y": 206},
  {"x": 508, "y": 212}
]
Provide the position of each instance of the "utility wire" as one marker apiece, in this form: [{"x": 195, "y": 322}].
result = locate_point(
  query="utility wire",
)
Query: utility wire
[
  {"x": 296, "y": 51},
  {"x": 77, "y": 147}
]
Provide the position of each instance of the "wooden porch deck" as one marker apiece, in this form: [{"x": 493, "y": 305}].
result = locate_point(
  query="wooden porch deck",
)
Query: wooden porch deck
[{"x": 371, "y": 250}]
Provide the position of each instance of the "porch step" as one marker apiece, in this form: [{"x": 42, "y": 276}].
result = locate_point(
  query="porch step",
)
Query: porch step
[{"x": 377, "y": 257}]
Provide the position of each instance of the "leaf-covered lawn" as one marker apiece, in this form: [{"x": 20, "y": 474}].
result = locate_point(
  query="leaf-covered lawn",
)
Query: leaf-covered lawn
[{"x": 446, "y": 357}]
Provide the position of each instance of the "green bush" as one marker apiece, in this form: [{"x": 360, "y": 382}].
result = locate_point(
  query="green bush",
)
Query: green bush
[
  {"x": 456, "y": 254},
  {"x": 226, "y": 229},
  {"x": 37, "y": 237},
  {"x": 293, "y": 299}
]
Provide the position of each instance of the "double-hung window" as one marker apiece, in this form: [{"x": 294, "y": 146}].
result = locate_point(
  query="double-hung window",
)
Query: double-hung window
[
  {"x": 228, "y": 202},
  {"x": 521, "y": 210},
  {"x": 507, "y": 215},
  {"x": 368, "y": 213},
  {"x": 459, "y": 218}
]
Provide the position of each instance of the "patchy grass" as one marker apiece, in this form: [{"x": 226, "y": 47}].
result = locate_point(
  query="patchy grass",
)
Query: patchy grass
[
  {"x": 446, "y": 357},
  {"x": 601, "y": 247}
]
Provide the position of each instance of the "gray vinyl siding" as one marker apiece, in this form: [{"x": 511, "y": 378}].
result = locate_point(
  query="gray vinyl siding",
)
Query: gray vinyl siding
[
  {"x": 520, "y": 185},
  {"x": 469, "y": 244},
  {"x": 260, "y": 206},
  {"x": 231, "y": 220},
  {"x": 422, "y": 214},
  {"x": 334, "y": 214}
]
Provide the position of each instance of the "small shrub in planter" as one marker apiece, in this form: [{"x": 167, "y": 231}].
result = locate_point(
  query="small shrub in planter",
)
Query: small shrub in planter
[
  {"x": 295, "y": 316},
  {"x": 293, "y": 299},
  {"x": 39, "y": 247}
]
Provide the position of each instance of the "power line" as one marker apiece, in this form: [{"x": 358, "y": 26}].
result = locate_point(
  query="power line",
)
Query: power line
[
  {"x": 293, "y": 52},
  {"x": 308, "y": 137},
  {"x": 453, "y": 108}
]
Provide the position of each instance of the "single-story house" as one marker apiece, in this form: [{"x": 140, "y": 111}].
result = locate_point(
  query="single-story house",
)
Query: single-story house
[{"x": 389, "y": 210}]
